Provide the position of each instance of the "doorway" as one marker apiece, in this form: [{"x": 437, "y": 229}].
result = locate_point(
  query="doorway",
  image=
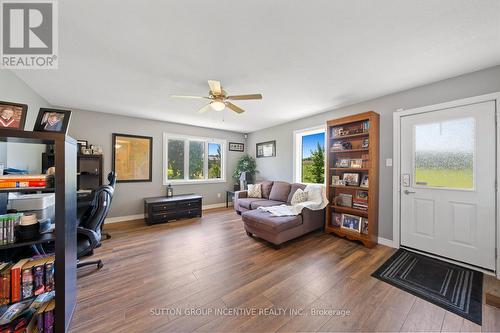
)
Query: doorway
[{"x": 447, "y": 181}]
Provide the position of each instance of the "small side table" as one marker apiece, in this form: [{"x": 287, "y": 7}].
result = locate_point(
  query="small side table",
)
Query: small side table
[{"x": 229, "y": 194}]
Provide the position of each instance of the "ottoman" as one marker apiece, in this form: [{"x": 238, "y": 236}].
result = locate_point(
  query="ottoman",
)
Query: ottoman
[{"x": 274, "y": 229}]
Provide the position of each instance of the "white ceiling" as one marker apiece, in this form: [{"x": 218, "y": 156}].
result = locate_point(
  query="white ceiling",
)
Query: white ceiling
[{"x": 305, "y": 57}]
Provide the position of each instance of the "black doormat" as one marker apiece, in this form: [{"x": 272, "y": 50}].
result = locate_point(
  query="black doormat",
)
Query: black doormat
[{"x": 454, "y": 288}]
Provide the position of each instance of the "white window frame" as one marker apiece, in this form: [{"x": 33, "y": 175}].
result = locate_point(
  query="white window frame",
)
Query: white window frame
[
  {"x": 187, "y": 139},
  {"x": 297, "y": 149}
]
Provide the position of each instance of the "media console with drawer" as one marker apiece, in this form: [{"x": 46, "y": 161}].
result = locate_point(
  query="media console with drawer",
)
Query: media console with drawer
[{"x": 164, "y": 209}]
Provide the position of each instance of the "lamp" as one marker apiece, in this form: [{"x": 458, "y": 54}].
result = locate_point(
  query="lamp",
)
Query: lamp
[{"x": 218, "y": 105}]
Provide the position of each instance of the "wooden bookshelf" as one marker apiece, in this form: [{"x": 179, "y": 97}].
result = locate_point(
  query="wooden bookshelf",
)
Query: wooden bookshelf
[
  {"x": 64, "y": 236},
  {"x": 351, "y": 133}
]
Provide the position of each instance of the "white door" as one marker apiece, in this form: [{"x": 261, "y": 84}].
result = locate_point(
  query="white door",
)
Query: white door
[{"x": 448, "y": 183}]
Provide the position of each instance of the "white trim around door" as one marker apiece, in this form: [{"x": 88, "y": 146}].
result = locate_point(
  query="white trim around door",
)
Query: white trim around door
[{"x": 397, "y": 162}]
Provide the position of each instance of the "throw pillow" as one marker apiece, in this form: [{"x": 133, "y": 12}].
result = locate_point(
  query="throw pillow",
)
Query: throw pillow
[
  {"x": 254, "y": 191},
  {"x": 298, "y": 197}
]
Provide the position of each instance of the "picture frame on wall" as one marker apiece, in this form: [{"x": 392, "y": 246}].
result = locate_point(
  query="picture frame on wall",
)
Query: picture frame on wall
[
  {"x": 236, "y": 146},
  {"x": 265, "y": 149},
  {"x": 52, "y": 120},
  {"x": 132, "y": 159},
  {"x": 13, "y": 115}
]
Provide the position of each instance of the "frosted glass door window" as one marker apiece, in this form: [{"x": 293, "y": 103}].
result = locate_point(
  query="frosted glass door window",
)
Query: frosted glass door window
[{"x": 444, "y": 154}]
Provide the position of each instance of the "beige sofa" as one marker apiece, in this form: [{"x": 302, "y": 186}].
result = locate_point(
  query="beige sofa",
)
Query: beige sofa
[{"x": 276, "y": 230}]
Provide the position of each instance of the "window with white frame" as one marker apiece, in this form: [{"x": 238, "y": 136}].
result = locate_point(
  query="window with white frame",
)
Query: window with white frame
[
  {"x": 309, "y": 155},
  {"x": 193, "y": 159}
]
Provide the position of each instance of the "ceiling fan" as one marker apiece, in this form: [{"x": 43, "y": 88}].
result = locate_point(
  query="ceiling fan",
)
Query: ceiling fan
[{"x": 220, "y": 99}]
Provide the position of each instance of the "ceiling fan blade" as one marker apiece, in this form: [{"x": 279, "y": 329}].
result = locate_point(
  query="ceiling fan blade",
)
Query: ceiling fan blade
[
  {"x": 242, "y": 97},
  {"x": 215, "y": 87},
  {"x": 191, "y": 97},
  {"x": 205, "y": 109},
  {"x": 235, "y": 108}
]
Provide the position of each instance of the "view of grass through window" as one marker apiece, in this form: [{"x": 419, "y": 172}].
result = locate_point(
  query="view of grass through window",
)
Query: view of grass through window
[
  {"x": 313, "y": 158},
  {"x": 175, "y": 159},
  {"x": 444, "y": 154},
  {"x": 199, "y": 166},
  {"x": 214, "y": 161}
]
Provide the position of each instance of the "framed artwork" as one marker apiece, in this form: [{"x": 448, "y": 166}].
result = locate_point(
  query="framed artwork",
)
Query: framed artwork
[
  {"x": 235, "y": 146},
  {"x": 266, "y": 149},
  {"x": 351, "y": 222},
  {"x": 13, "y": 115},
  {"x": 132, "y": 159},
  {"x": 364, "y": 226},
  {"x": 52, "y": 120}
]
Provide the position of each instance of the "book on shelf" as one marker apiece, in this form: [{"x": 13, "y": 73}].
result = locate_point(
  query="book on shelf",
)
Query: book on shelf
[
  {"x": 5, "y": 284},
  {"x": 23, "y": 181},
  {"x": 29, "y": 315},
  {"x": 15, "y": 280}
]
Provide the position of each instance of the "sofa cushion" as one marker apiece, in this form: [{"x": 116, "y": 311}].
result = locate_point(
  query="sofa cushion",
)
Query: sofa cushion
[
  {"x": 280, "y": 191},
  {"x": 294, "y": 188},
  {"x": 246, "y": 202},
  {"x": 259, "y": 219},
  {"x": 254, "y": 191},
  {"x": 266, "y": 188},
  {"x": 298, "y": 197},
  {"x": 265, "y": 203}
]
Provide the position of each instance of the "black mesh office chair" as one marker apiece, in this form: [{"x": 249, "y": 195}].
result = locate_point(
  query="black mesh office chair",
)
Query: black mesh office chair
[
  {"x": 91, "y": 223},
  {"x": 112, "y": 183}
]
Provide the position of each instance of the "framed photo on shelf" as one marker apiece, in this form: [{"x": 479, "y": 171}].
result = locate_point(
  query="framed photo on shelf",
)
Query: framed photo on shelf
[
  {"x": 364, "y": 226},
  {"x": 351, "y": 179},
  {"x": 13, "y": 115},
  {"x": 336, "y": 219},
  {"x": 338, "y": 131},
  {"x": 351, "y": 222},
  {"x": 52, "y": 120},
  {"x": 356, "y": 163},
  {"x": 364, "y": 181},
  {"x": 365, "y": 143},
  {"x": 362, "y": 195},
  {"x": 235, "y": 146},
  {"x": 337, "y": 181},
  {"x": 266, "y": 149},
  {"x": 343, "y": 163},
  {"x": 343, "y": 200}
]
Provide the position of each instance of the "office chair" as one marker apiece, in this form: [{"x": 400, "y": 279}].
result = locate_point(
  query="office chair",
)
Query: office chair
[
  {"x": 90, "y": 228},
  {"x": 112, "y": 182}
]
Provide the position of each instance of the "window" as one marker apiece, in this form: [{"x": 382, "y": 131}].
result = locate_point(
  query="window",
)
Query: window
[
  {"x": 444, "y": 154},
  {"x": 193, "y": 160},
  {"x": 309, "y": 155}
]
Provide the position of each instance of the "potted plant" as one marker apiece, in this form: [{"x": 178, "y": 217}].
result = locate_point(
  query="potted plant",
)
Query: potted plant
[{"x": 245, "y": 164}]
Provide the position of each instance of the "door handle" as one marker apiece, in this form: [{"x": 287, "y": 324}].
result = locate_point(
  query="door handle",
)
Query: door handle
[{"x": 408, "y": 192}]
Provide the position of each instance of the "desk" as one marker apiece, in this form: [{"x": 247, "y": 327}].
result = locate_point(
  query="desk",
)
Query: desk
[{"x": 228, "y": 194}]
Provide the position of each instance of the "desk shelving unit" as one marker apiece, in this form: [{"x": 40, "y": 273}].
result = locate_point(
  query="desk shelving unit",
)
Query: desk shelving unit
[{"x": 64, "y": 237}]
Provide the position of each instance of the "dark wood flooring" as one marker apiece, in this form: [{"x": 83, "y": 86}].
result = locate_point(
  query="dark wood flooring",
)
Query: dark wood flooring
[{"x": 212, "y": 265}]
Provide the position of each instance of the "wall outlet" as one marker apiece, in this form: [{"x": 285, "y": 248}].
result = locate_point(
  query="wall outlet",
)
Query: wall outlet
[
  {"x": 218, "y": 195},
  {"x": 388, "y": 162}
]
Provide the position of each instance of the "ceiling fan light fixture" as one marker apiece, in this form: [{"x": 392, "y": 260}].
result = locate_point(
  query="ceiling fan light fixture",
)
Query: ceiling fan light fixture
[{"x": 218, "y": 105}]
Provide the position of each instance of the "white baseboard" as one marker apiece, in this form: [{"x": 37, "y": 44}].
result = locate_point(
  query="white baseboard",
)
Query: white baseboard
[
  {"x": 141, "y": 216},
  {"x": 386, "y": 242},
  {"x": 124, "y": 218}
]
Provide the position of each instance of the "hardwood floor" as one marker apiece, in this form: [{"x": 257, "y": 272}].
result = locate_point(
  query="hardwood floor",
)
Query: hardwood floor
[{"x": 211, "y": 264}]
